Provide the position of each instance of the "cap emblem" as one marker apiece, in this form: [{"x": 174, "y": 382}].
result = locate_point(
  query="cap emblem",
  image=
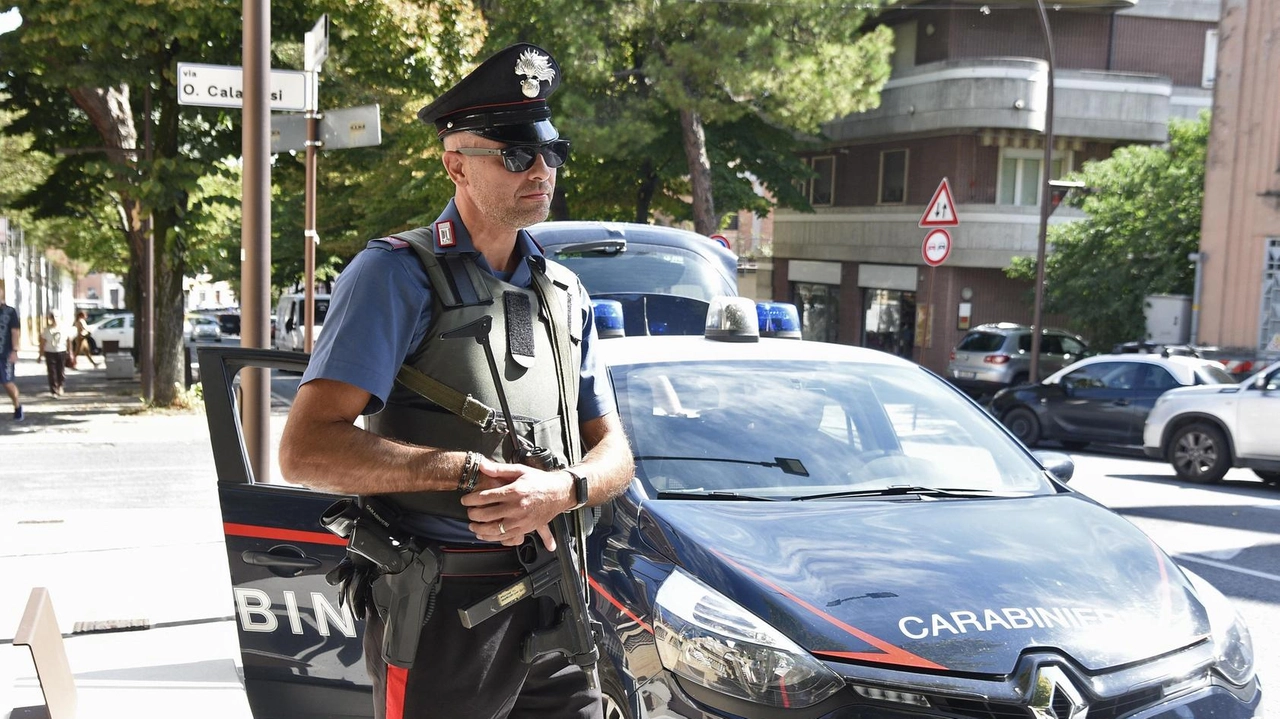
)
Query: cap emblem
[{"x": 536, "y": 69}]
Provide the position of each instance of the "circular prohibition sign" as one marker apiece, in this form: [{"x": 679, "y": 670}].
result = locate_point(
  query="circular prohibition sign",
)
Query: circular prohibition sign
[{"x": 936, "y": 247}]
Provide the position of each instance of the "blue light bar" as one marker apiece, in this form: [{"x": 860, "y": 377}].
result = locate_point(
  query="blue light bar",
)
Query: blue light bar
[
  {"x": 608, "y": 314},
  {"x": 778, "y": 319}
]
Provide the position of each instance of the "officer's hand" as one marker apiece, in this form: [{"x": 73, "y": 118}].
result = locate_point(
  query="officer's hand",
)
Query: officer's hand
[{"x": 512, "y": 500}]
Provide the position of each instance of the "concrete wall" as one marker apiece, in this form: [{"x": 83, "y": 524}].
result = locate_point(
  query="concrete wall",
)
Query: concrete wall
[{"x": 1242, "y": 181}]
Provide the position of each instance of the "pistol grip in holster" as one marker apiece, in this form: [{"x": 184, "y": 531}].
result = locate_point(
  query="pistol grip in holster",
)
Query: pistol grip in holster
[{"x": 405, "y": 601}]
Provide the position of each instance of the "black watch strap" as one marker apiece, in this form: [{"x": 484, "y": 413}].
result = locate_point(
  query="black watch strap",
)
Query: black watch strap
[{"x": 581, "y": 492}]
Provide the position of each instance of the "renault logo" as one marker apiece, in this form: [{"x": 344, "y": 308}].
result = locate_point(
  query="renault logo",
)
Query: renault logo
[{"x": 1053, "y": 696}]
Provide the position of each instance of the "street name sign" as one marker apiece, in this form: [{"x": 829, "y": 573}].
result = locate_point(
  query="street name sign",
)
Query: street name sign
[
  {"x": 936, "y": 247},
  {"x": 941, "y": 211},
  {"x": 339, "y": 129},
  {"x": 223, "y": 86}
]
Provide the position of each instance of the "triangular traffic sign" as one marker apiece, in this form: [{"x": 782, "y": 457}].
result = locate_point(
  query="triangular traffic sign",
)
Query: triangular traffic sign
[{"x": 941, "y": 211}]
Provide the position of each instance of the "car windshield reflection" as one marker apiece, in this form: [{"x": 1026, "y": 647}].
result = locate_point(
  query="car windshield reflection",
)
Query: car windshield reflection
[{"x": 782, "y": 430}]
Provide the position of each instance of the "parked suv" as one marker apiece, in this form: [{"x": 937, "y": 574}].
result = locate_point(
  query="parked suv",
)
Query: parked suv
[
  {"x": 994, "y": 356},
  {"x": 1205, "y": 431}
]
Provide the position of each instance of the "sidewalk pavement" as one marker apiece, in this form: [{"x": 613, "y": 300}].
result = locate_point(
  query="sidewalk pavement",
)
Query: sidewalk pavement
[{"x": 187, "y": 662}]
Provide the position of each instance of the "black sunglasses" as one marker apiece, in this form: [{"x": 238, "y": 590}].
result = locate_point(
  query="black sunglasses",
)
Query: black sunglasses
[{"x": 519, "y": 158}]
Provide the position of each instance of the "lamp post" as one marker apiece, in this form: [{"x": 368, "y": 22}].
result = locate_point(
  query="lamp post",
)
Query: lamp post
[{"x": 1045, "y": 200}]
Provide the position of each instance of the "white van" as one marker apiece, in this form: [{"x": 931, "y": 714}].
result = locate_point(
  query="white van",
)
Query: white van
[{"x": 290, "y": 332}]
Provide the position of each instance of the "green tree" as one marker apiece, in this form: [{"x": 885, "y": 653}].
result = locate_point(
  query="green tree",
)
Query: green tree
[
  {"x": 675, "y": 99},
  {"x": 1143, "y": 208},
  {"x": 84, "y": 73}
]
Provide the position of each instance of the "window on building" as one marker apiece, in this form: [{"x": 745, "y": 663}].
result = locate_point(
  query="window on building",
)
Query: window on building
[
  {"x": 1210, "y": 66},
  {"x": 1020, "y": 175},
  {"x": 821, "y": 186},
  {"x": 732, "y": 224},
  {"x": 893, "y": 177}
]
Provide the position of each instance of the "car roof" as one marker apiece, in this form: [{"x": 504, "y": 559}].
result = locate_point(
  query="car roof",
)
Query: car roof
[
  {"x": 622, "y": 351},
  {"x": 1182, "y": 367},
  {"x": 567, "y": 232}
]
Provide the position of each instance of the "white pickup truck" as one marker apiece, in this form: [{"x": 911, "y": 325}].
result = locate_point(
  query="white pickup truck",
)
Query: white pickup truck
[{"x": 1206, "y": 430}]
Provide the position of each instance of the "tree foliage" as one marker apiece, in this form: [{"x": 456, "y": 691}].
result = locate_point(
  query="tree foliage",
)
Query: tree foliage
[
  {"x": 754, "y": 77},
  {"x": 1143, "y": 208}
]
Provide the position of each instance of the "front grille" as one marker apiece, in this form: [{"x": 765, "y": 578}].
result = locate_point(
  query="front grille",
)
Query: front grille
[
  {"x": 1125, "y": 704},
  {"x": 979, "y": 709}
]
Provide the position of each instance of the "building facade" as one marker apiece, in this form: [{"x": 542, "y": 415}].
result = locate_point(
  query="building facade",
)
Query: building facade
[
  {"x": 966, "y": 101},
  {"x": 35, "y": 282},
  {"x": 1238, "y": 307}
]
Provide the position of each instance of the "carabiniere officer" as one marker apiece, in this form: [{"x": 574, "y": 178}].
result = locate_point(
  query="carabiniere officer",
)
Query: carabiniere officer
[{"x": 446, "y": 477}]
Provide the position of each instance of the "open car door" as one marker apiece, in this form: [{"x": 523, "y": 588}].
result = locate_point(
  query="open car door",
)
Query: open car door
[{"x": 301, "y": 650}]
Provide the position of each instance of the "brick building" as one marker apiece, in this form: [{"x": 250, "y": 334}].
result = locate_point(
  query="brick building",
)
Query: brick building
[{"x": 966, "y": 102}]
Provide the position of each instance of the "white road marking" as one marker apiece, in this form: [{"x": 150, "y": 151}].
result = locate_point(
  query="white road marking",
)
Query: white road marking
[{"x": 1228, "y": 567}]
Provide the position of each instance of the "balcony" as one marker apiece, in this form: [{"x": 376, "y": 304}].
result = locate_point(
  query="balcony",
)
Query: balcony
[{"x": 1010, "y": 94}]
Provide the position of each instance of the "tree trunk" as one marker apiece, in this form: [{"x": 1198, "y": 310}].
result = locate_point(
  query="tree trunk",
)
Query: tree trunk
[
  {"x": 695, "y": 151},
  {"x": 645, "y": 191}
]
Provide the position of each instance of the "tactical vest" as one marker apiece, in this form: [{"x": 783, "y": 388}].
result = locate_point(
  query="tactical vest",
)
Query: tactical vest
[{"x": 525, "y": 348}]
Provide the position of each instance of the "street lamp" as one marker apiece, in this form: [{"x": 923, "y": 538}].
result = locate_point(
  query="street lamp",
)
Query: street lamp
[{"x": 1045, "y": 201}]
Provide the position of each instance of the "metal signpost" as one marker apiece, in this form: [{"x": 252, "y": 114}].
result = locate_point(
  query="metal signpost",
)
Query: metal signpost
[
  {"x": 317, "y": 49},
  {"x": 938, "y": 215}
]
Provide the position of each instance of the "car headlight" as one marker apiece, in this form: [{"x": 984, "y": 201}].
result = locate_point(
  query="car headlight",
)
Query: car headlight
[
  {"x": 1232, "y": 643},
  {"x": 705, "y": 637}
]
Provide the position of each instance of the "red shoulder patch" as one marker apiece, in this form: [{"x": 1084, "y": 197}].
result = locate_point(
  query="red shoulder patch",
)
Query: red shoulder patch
[{"x": 397, "y": 243}]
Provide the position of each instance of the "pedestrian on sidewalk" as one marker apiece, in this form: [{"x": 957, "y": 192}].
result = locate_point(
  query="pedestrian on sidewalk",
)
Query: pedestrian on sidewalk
[
  {"x": 10, "y": 336},
  {"x": 53, "y": 350},
  {"x": 81, "y": 343}
]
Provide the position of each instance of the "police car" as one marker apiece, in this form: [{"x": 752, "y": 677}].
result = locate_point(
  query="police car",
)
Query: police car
[
  {"x": 814, "y": 530},
  {"x": 656, "y": 280}
]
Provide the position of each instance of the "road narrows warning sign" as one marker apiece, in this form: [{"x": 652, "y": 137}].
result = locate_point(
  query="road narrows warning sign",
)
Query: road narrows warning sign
[{"x": 941, "y": 211}]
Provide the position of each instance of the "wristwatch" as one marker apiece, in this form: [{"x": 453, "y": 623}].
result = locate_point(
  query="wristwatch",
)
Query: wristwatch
[{"x": 580, "y": 491}]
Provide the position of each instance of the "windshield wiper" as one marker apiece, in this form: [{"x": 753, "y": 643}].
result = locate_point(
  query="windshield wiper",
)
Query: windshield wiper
[
  {"x": 608, "y": 247},
  {"x": 898, "y": 490},
  {"x": 788, "y": 465},
  {"x": 715, "y": 495}
]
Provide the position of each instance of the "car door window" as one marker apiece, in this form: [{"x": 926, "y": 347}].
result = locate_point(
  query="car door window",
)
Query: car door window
[
  {"x": 1104, "y": 375},
  {"x": 1072, "y": 346},
  {"x": 1050, "y": 345},
  {"x": 113, "y": 324},
  {"x": 1158, "y": 379}
]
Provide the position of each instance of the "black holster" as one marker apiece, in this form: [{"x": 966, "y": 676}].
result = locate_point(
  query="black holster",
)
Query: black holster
[{"x": 386, "y": 569}]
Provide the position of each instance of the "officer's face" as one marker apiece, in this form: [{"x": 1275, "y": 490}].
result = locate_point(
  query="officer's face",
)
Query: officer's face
[{"x": 507, "y": 199}]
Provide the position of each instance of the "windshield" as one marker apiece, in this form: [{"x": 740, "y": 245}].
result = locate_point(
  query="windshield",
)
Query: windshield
[
  {"x": 793, "y": 429},
  {"x": 647, "y": 269}
]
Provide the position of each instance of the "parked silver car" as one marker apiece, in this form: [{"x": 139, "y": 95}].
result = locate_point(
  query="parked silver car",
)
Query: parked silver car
[{"x": 993, "y": 356}]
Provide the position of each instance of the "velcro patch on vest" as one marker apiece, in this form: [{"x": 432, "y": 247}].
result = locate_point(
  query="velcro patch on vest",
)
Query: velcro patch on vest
[{"x": 519, "y": 327}]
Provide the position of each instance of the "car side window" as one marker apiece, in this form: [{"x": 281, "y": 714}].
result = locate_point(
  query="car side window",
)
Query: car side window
[
  {"x": 1072, "y": 346},
  {"x": 113, "y": 324},
  {"x": 1158, "y": 378},
  {"x": 1051, "y": 345},
  {"x": 1104, "y": 375}
]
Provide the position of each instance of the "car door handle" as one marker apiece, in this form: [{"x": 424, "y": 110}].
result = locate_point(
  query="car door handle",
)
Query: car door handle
[
  {"x": 1121, "y": 403},
  {"x": 267, "y": 559}
]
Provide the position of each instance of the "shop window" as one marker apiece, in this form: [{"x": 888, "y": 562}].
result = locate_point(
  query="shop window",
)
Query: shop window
[
  {"x": 819, "y": 310},
  {"x": 893, "y": 177},
  {"x": 1020, "y": 176}
]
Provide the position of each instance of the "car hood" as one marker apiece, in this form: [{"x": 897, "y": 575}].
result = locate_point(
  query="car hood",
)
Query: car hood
[
  {"x": 1203, "y": 390},
  {"x": 961, "y": 585}
]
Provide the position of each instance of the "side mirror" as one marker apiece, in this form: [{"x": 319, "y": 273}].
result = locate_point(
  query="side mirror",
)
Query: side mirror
[
  {"x": 288, "y": 325},
  {"x": 1057, "y": 464}
]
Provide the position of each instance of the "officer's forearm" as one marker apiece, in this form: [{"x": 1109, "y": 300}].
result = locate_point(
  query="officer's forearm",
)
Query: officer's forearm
[
  {"x": 321, "y": 448},
  {"x": 608, "y": 464}
]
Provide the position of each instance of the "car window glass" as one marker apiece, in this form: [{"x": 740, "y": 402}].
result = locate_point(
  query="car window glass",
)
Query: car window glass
[
  {"x": 1103, "y": 375},
  {"x": 321, "y": 309},
  {"x": 740, "y": 426},
  {"x": 1071, "y": 345},
  {"x": 647, "y": 269},
  {"x": 1214, "y": 373},
  {"x": 1158, "y": 378},
  {"x": 1024, "y": 343},
  {"x": 981, "y": 342},
  {"x": 1051, "y": 344},
  {"x": 114, "y": 324}
]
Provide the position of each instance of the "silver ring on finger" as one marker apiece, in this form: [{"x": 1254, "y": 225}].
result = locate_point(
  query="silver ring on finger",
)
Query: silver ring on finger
[{"x": 501, "y": 528}]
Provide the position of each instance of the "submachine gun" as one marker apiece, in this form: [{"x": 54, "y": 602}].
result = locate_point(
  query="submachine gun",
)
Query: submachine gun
[{"x": 548, "y": 574}]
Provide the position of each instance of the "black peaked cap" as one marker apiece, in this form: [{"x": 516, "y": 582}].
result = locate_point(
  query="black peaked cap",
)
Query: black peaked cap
[{"x": 504, "y": 98}]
